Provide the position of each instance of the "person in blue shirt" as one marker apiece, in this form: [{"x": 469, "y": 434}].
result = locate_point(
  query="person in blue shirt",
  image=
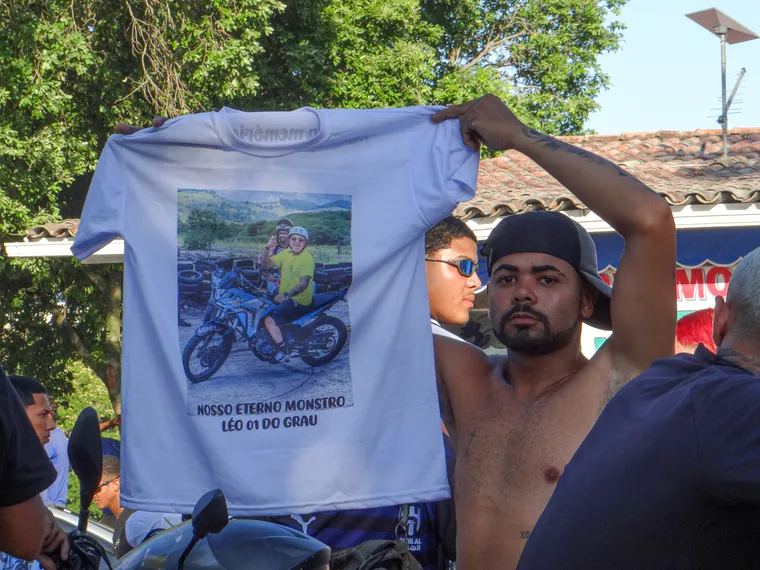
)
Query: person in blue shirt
[
  {"x": 58, "y": 452},
  {"x": 669, "y": 477}
]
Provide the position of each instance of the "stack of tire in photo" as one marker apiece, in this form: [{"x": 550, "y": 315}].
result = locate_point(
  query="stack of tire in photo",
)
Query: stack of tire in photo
[
  {"x": 194, "y": 278},
  {"x": 334, "y": 277},
  {"x": 194, "y": 281}
]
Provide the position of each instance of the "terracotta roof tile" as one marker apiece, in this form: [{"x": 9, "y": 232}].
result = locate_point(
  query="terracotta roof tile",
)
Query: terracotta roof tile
[
  {"x": 64, "y": 228},
  {"x": 683, "y": 167}
]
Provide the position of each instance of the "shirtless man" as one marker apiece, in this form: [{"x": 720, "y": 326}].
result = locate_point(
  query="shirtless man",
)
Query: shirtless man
[{"x": 516, "y": 424}]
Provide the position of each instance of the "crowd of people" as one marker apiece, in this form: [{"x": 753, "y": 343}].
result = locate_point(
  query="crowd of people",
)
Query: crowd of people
[{"x": 634, "y": 458}]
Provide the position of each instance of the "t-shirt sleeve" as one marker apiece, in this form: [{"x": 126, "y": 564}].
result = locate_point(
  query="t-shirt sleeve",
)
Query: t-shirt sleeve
[
  {"x": 103, "y": 214},
  {"x": 25, "y": 470},
  {"x": 728, "y": 435},
  {"x": 446, "y": 176}
]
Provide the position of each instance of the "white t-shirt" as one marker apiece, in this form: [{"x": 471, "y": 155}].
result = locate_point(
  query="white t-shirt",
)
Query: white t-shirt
[
  {"x": 351, "y": 419},
  {"x": 141, "y": 523},
  {"x": 439, "y": 330},
  {"x": 57, "y": 450}
]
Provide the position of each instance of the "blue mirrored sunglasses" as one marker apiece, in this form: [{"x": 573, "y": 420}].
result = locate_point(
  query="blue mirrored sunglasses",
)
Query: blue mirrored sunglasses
[{"x": 466, "y": 267}]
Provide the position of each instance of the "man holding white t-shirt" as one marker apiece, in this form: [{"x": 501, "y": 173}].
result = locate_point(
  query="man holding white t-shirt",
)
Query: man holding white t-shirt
[
  {"x": 508, "y": 458},
  {"x": 370, "y": 161}
]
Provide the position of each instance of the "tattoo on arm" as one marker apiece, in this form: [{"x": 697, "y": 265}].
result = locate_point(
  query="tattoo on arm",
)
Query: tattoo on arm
[
  {"x": 301, "y": 287},
  {"x": 473, "y": 435},
  {"x": 524, "y": 534},
  {"x": 555, "y": 144}
]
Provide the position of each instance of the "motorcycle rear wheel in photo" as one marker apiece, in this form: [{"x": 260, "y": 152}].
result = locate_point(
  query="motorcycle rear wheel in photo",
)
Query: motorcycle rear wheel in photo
[
  {"x": 211, "y": 357},
  {"x": 327, "y": 338},
  {"x": 262, "y": 346}
]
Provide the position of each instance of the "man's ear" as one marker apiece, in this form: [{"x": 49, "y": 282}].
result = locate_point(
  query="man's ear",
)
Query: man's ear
[
  {"x": 589, "y": 295},
  {"x": 720, "y": 321},
  {"x": 488, "y": 296}
]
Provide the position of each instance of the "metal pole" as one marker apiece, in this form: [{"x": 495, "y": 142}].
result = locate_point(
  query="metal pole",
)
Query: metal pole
[{"x": 723, "y": 85}]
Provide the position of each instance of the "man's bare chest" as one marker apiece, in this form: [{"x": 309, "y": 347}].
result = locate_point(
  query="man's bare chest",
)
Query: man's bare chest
[{"x": 505, "y": 448}]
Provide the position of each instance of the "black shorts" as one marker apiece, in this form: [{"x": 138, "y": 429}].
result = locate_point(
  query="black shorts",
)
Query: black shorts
[{"x": 288, "y": 311}]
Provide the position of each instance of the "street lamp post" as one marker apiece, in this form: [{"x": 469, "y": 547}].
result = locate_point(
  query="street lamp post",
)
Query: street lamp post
[{"x": 730, "y": 32}]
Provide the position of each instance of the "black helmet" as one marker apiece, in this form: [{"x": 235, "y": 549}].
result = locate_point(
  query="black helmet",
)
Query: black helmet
[
  {"x": 284, "y": 224},
  {"x": 243, "y": 544}
]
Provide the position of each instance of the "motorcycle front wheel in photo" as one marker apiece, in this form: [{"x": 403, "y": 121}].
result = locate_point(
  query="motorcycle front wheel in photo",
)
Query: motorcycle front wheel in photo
[
  {"x": 327, "y": 338},
  {"x": 204, "y": 355}
]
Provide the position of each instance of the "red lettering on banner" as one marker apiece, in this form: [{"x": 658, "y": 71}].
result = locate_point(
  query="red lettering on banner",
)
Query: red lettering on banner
[
  {"x": 690, "y": 288},
  {"x": 693, "y": 284},
  {"x": 717, "y": 280}
]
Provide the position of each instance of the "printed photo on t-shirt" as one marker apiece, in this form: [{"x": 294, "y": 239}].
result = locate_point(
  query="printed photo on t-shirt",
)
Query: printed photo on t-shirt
[{"x": 264, "y": 327}]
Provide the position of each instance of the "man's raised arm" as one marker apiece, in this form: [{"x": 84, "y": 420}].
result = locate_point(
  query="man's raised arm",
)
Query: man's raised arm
[{"x": 643, "y": 304}]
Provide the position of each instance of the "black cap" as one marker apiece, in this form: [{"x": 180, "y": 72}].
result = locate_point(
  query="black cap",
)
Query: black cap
[{"x": 557, "y": 235}]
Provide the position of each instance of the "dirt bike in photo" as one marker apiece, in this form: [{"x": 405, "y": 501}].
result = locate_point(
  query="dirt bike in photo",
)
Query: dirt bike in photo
[{"x": 236, "y": 311}]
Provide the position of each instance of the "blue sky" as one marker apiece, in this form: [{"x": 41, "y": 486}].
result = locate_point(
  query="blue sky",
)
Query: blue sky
[{"x": 666, "y": 75}]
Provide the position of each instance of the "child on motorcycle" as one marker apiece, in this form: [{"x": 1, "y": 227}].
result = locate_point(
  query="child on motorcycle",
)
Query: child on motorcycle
[{"x": 295, "y": 292}]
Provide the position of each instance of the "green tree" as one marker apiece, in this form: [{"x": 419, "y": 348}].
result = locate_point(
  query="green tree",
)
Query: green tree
[
  {"x": 70, "y": 69},
  {"x": 541, "y": 55},
  {"x": 203, "y": 229}
]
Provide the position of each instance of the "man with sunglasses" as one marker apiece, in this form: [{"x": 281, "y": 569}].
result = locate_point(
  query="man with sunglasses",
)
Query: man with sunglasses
[
  {"x": 517, "y": 422},
  {"x": 451, "y": 268},
  {"x": 107, "y": 496}
]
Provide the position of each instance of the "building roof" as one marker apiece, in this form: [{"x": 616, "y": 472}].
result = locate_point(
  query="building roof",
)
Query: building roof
[
  {"x": 684, "y": 167},
  {"x": 62, "y": 229}
]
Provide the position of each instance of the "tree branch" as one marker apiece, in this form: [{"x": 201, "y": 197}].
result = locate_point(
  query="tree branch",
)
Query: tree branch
[
  {"x": 497, "y": 31},
  {"x": 59, "y": 318},
  {"x": 96, "y": 279},
  {"x": 489, "y": 47}
]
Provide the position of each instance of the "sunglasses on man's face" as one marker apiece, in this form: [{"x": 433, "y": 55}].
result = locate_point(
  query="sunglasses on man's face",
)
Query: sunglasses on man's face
[
  {"x": 466, "y": 267},
  {"x": 104, "y": 483}
]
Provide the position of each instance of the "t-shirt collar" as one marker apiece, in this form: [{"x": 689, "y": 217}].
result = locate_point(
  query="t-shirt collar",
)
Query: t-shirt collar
[{"x": 274, "y": 133}]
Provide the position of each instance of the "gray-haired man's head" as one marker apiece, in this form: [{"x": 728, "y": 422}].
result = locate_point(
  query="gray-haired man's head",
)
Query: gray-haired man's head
[{"x": 737, "y": 320}]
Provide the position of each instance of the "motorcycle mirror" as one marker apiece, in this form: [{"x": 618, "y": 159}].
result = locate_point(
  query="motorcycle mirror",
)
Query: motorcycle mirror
[
  {"x": 209, "y": 516},
  {"x": 86, "y": 458}
]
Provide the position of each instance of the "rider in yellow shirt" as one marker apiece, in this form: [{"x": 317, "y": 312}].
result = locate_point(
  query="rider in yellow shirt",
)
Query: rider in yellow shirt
[{"x": 295, "y": 294}]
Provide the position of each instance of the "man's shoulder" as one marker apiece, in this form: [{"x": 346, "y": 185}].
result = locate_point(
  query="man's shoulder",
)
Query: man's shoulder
[
  {"x": 726, "y": 384},
  {"x": 456, "y": 358}
]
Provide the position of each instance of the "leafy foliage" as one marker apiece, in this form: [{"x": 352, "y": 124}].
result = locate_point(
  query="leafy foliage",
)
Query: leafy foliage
[{"x": 324, "y": 227}]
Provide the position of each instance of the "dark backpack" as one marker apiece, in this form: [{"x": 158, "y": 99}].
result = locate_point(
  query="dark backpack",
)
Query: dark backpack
[{"x": 375, "y": 555}]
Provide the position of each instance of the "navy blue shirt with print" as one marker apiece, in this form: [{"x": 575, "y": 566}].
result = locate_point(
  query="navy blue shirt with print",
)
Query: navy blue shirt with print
[
  {"x": 430, "y": 529},
  {"x": 349, "y": 528},
  {"x": 669, "y": 477}
]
